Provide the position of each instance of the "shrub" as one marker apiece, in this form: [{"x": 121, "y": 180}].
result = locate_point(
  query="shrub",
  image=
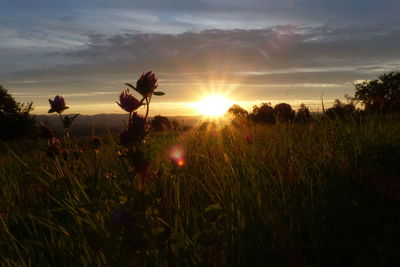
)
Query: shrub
[
  {"x": 380, "y": 95},
  {"x": 340, "y": 109},
  {"x": 263, "y": 113},
  {"x": 284, "y": 112},
  {"x": 15, "y": 120},
  {"x": 237, "y": 111},
  {"x": 161, "y": 123},
  {"x": 303, "y": 114}
]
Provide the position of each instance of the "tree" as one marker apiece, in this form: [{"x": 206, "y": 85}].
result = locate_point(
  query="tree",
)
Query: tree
[
  {"x": 380, "y": 95},
  {"x": 340, "y": 109},
  {"x": 15, "y": 120},
  {"x": 263, "y": 113},
  {"x": 238, "y": 111},
  {"x": 284, "y": 112},
  {"x": 303, "y": 114}
]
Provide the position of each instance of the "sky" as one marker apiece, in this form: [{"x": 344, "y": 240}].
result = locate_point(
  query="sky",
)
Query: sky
[{"x": 252, "y": 51}]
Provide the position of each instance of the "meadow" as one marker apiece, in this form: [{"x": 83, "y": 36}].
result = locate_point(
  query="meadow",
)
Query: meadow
[{"x": 321, "y": 193}]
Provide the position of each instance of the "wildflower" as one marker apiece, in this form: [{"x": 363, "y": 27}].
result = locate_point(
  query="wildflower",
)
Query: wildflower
[
  {"x": 138, "y": 125},
  {"x": 46, "y": 131},
  {"x": 57, "y": 105},
  {"x": 54, "y": 142},
  {"x": 53, "y": 151},
  {"x": 125, "y": 138},
  {"x": 128, "y": 102},
  {"x": 147, "y": 83},
  {"x": 137, "y": 130},
  {"x": 96, "y": 142}
]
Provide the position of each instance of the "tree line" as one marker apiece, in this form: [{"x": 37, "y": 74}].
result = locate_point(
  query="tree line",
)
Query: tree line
[{"x": 381, "y": 95}]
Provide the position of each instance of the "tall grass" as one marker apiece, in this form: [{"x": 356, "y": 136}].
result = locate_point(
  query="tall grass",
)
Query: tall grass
[{"x": 318, "y": 193}]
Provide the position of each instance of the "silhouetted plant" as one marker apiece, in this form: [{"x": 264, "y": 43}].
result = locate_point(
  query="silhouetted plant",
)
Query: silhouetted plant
[
  {"x": 380, "y": 95},
  {"x": 138, "y": 126},
  {"x": 284, "y": 112},
  {"x": 15, "y": 120},
  {"x": 341, "y": 109},
  {"x": 58, "y": 105},
  {"x": 303, "y": 114},
  {"x": 160, "y": 123},
  {"x": 238, "y": 111},
  {"x": 263, "y": 113}
]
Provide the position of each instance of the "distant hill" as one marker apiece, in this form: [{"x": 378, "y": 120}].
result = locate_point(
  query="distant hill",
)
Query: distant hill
[{"x": 100, "y": 124}]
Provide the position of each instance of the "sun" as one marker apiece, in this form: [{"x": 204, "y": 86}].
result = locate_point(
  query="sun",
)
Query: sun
[{"x": 213, "y": 105}]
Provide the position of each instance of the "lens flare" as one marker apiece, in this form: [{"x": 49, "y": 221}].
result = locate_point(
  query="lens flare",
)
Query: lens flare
[{"x": 177, "y": 155}]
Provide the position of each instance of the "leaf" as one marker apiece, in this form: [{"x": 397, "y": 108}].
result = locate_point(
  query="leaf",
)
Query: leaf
[
  {"x": 67, "y": 121},
  {"x": 159, "y": 93},
  {"x": 73, "y": 118},
  {"x": 134, "y": 88},
  {"x": 131, "y": 86}
]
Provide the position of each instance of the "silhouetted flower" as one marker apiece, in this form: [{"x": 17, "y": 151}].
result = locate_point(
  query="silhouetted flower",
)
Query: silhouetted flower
[
  {"x": 53, "y": 151},
  {"x": 137, "y": 125},
  {"x": 57, "y": 105},
  {"x": 128, "y": 102},
  {"x": 46, "y": 131},
  {"x": 54, "y": 142},
  {"x": 125, "y": 138},
  {"x": 147, "y": 83},
  {"x": 96, "y": 142},
  {"x": 137, "y": 130}
]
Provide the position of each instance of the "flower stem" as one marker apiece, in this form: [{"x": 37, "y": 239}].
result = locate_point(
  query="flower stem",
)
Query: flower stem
[{"x": 147, "y": 107}]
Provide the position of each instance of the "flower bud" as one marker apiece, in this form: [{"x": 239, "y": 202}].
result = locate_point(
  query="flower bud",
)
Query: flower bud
[
  {"x": 57, "y": 105},
  {"x": 128, "y": 102},
  {"x": 147, "y": 83}
]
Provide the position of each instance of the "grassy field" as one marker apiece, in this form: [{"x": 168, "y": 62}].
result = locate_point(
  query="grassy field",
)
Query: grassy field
[{"x": 324, "y": 193}]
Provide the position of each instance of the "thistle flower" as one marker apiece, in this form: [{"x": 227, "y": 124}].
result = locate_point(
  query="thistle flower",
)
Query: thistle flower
[
  {"x": 57, "y": 105},
  {"x": 128, "y": 102},
  {"x": 137, "y": 130},
  {"x": 137, "y": 124},
  {"x": 53, "y": 151},
  {"x": 96, "y": 142},
  {"x": 125, "y": 138},
  {"x": 147, "y": 83}
]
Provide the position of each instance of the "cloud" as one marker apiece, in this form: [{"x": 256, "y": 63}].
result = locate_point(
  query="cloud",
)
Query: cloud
[
  {"x": 291, "y": 61},
  {"x": 279, "y": 48}
]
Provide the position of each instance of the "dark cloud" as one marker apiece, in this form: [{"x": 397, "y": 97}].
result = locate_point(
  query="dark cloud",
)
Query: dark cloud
[{"x": 280, "y": 48}]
